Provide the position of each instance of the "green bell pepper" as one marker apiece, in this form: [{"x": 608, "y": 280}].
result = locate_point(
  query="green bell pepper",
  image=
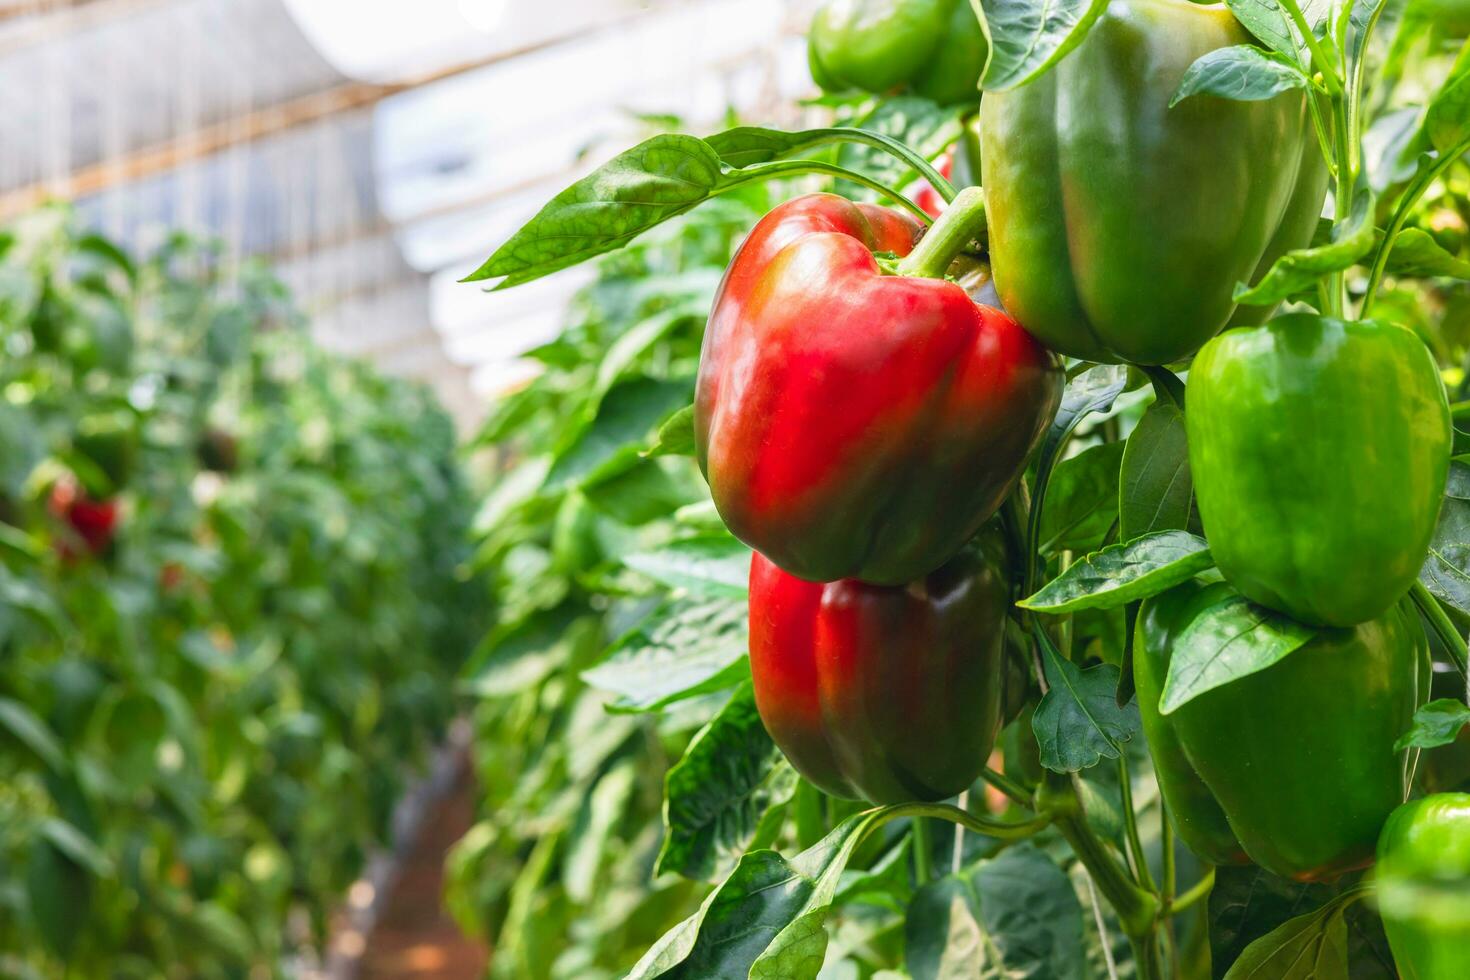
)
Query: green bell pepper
[
  {"x": 1423, "y": 881},
  {"x": 1295, "y": 762},
  {"x": 1319, "y": 450},
  {"x": 932, "y": 48},
  {"x": 1119, "y": 226}
]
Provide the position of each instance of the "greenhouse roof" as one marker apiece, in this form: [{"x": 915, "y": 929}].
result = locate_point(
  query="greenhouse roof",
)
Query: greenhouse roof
[{"x": 375, "y": 152}]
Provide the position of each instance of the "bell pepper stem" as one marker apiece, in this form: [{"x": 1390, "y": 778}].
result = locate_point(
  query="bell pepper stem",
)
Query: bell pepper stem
[
  {"x": 1439, "y": 621},
  {"x": 961, "y": 223}
]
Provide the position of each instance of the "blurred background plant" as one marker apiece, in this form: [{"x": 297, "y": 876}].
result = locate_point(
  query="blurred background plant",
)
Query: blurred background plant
[{"x": 234, "y": 601}]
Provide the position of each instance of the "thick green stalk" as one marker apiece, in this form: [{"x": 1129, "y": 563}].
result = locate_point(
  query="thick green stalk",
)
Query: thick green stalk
[
  {"x": 1439, "y": 620},
  {"x": 923, "y": 870},
  {"x": 962, "y": 222},
  {"x": 1137, "y": 910}
]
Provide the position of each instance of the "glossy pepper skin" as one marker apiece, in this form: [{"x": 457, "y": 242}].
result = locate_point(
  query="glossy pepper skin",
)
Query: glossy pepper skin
[
  {"x": 879, "y": 693},
  {"x": 1292, "y": 766},
  {"x": 1423, "y": 879},
  {"x": 1319, "y": 450},
  {"x": 932, "y": 48},
  {"x": 853, "y": 424},
  {"x": 1119, "y": 227}
]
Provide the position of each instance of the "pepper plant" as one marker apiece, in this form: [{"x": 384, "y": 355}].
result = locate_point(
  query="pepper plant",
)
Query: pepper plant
[
  {"x": 1153, "y": 422},
  {"x": 210, "y": 700}
]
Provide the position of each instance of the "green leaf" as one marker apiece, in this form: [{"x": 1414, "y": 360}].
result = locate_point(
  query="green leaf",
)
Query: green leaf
[
  {"x": 1081, "y": 500},
  {"x": 1241, "y": 73},
  {"x": 1232, "y": 639},
  {"x": 61, "y": 892},
  {"x": 656, "y": 180},
  {"x": 603, "y": 811},
  {"x": 1027, "y": 38},
  {"x": 1437, "y": 723},
  {"x": 76, "y": 846},
  {"x": 515, "y": 657},
  {"x": 926, "y": 126},
  {"x": 644, "y": 490},
  {"x": 747, "y": 145},
  {"x": 1094, "y": 390},
  {"x": 1155, "y": 489},
  {"x": 766, "y": 920},
  {"x": 676, "y": 435},
  {"x": 1078, "y": 722},
  {"x": 613, "y": 442},
  {"x": 1014, "y": 915},
  {"x": 1309, "y": 947},
  {"x": 1300, "y": 268},
  {"x": 685, "y": 648},
  {"x": 711, "y": 565},
  {"x": 1446, "y": 571},
  {"x": 1271, "y": 24},
  {"x": 1246, "y": 903},
  {"x": 1417, "y": 255},
  {"x": 635, "y": 342},
  {"x": 28, "y": 729},
  {"x": 1447, "y": 120},
  {"x": 725, "y": 793},
  {"x": 1123, "y": 573}
]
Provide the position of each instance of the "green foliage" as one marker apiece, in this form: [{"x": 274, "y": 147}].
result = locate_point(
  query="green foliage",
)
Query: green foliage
[{"x": 206, "y": 718}]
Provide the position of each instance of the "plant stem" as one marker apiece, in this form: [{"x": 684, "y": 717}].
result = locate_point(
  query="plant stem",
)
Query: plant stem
[
  {"x": 1326, "y": 64},
  {"x": 1199, "y": 890},
  {"x": 1137, "y": 910},
  {"x": 1166, "y": 836},
  {"x": 1439, "y": 620},
  {"x": 957, "y": 861},
  {"x": 1146, "y": 956},
  {"x": 1012, "y": 789},
  {"x": 897, "y": 148},
  {"x": 1141, "y": 872},
  {"x": 961, "y": 223},
  {"x": 791, "y": 168},
  {"x": 923, "y": 871},
  {"x": 1412, "y": 193}
]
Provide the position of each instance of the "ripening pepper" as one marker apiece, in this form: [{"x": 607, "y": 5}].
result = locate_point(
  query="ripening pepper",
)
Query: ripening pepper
[
  {"x": 90, "y": 522},
  {"x": 887, "y": 694},
  {"x": 1119, "y": 226},
  {"x": 1319, "y": 450},
  {"x": 854, "y": 424},
  {"x": 1294, "y": 765},
  {"x": 932, "y": 48},
  {"x": 1423, "y": 879}
]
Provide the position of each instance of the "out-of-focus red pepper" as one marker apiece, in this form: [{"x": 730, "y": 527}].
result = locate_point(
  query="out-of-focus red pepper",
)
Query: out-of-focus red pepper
[
  {"x": 881, "y": 693},
  {"x": 927, "y": 197},
  {"x": 857, "y": 424},
  {"x": 93, "y": 522}
]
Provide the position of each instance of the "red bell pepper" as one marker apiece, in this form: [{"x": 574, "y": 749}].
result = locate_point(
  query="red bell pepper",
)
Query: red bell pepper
[
  {"x": 881, "y": 693},
  {"x": 857, "y": 424},
  {"x": 92, "y": 522},
  {"x": 927, "y": 197}
]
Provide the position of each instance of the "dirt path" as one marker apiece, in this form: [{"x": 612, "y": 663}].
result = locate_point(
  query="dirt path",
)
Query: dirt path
[{"x": 416, "y": 938}]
